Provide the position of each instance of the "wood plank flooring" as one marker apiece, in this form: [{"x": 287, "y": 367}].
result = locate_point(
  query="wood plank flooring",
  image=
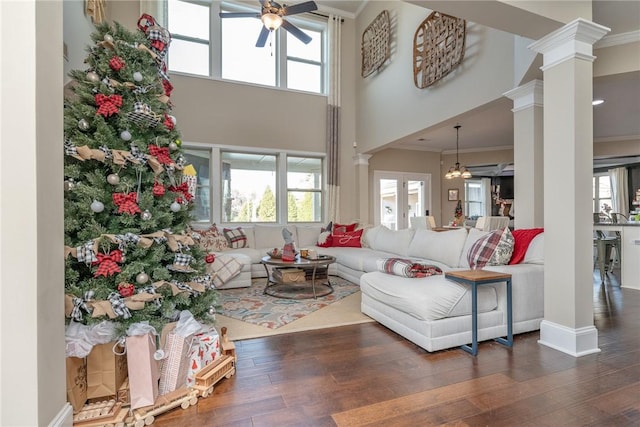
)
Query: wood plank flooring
[{"x": 366, "y": 375}]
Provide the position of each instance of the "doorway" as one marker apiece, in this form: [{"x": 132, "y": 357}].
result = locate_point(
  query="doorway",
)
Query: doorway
[{"x": 400, "y": 196}]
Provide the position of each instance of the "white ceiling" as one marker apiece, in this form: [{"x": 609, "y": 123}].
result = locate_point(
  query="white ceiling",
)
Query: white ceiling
[{"x": 491, "y": 126}]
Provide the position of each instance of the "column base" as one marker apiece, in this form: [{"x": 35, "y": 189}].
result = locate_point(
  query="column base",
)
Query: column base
[{"x": 576, "y": 342}]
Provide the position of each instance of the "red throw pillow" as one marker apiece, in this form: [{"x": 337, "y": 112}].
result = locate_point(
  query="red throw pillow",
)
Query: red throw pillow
[
  {"x": 350, "y": 239},
  {"x": 344, "y": 228},
  {"x": 325, "y": 240},
  {"x": 522, "y": 238}
]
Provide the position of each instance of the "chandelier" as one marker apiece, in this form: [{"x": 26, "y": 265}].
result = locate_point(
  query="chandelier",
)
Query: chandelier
[{"x": 457, "y": 171}]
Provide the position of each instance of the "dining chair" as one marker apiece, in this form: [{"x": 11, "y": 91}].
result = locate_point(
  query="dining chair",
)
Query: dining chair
[{"x": 604, "y": 245}]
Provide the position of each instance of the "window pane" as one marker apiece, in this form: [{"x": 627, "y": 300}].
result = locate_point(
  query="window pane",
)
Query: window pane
[
  {"x": 241, "y": 59},
  {"x": 389, "y": 203},
  {"x": 249, "y": 190},
  {"x": 304, "y": 206},
  {"x": 188, "y": 19},
  {"x": 604, "y": 191},
  {"x": 189, "y": 57},
  {"x": 200, "y": 160},
  {"x": 304, "y": 173},
  {"x": 415, "y": 193},
  {"x": 311, "y": 51},
  {"x": 301, "y": 76}
]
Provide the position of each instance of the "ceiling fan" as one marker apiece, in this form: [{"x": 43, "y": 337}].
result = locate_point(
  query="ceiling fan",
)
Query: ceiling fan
[{"x": 272, "y": 16}]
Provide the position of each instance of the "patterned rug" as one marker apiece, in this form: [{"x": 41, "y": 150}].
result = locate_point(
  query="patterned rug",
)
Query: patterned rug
[{"x": 253, "y": 306}]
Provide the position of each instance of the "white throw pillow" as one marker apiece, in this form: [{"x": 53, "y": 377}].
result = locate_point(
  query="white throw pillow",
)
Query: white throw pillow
[
  {"x": 440, "y": 246},
  {"x": 369, "y": 236},
  {"x": 393, "y": 241},
  {"x": 535, "y": 251},
  {"x": 472, "y": 237}
]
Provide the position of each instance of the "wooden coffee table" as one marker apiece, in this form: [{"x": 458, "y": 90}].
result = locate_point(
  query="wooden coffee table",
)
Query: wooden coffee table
[
  {"x": 476, "y": 278},
  {"x": 304, "y": 264}
]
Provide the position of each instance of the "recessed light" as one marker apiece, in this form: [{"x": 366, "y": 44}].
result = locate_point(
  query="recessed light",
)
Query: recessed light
[{"x": 597, "y": 102}]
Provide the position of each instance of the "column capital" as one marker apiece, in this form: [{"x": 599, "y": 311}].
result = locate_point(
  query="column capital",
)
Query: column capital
[
  {"x": 528, "y": 95},
  {"x": 361, "y": 159},
  {"x": 574, "y": 40}
]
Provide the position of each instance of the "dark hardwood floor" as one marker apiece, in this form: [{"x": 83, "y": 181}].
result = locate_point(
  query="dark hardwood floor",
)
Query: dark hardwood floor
[{"x": 367, "y": 375}]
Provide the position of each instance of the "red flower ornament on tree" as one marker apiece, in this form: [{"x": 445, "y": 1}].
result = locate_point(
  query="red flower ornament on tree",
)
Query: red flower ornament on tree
[
  {"x": 126, "y": 289},
  {"x": 116, "y": 63},
  {"x": 158, "y": 189}
]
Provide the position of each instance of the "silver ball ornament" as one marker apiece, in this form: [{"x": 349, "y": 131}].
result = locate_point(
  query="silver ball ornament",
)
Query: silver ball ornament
[
  {"x": 83, "y": 124},
  {"x": 142, "y": 278},
  {"x": 125, "y": 135},
  {"x": 146, "y": 215},
  {"x": 137, "y": 76},
  {"x": 69, "y": 184},
  {"x": 212, "y": 311},
  {"x": 173, "y": 146},
  {"x": 175, "y": 207},
  {"x": 173, "y": 119},
  {"x": 108, "y": 38},
  {"x": 97, "y": 206},
  {"x": 113, "y": 179},
  {"x": 92, "y": 76}
]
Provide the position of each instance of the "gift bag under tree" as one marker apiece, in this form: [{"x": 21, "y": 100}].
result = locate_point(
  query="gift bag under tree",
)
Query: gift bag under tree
[
  {"x": 143, "y": 366},
  {"x": 106, "y": 370},
  {"x": 204, "y": 350},
  {"x": 76, "y": 382},
  {"x": 176, "y": 340}
]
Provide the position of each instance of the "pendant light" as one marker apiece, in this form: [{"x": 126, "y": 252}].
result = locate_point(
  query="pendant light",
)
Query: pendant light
[{"x": 457, "y": 171}]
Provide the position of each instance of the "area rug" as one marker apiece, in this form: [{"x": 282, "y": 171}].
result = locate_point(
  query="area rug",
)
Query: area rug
[{"x": 253, "y": 306}]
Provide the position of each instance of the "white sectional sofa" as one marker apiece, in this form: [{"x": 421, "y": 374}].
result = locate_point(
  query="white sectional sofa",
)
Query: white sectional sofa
[{"x": 432, "y": 312}]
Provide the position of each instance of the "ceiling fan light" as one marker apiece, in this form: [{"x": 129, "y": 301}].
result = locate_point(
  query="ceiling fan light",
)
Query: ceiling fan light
[
  {"x": 466, "y": 174},
  {"x": 272, "y": 21}
]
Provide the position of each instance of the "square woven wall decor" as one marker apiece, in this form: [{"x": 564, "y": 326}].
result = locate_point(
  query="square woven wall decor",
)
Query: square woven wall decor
[
  {"x": 375, "y": 43},
  {"x": 438, "y": 47}
]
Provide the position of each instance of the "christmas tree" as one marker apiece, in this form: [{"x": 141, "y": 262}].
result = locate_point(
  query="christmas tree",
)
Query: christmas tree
[{"x": 130, "y": 256}]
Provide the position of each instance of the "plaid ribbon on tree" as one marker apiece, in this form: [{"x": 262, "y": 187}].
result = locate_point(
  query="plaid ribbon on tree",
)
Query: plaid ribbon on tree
[
  {"x": 161, "y": 153},
  {"x": 80, "y": 304},
  {"x": 182, "y": 260},
  {"x": 85, "y": 253},
  {"x": 158, "y": 189},
  {"x": 108, "y": 105},
  {"x": 127, "y": 203},
  {"x": 118, "y": 305},
  {"x": 150, "y": 289},
  {"x": 143, "y": 116},
  {"x": 108, "y": 263},
  {"x": 168, "y": 123},
  {"x": 125, "y": 239},
  {"x": 135, "y": 155},
  {"x": 107, "y": 152},
  {"x": 182, "y": 189},
  {"x": 69, "y": 148},
  {"x": 184, "y": 287}
]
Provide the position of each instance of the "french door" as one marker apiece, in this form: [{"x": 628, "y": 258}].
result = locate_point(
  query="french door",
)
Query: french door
[{"x": 400, "y": 196}]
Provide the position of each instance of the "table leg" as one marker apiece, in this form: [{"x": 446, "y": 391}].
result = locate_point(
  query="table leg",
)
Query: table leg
[
  {"x": 266, "y": 269},
  {"x": 474, "y": 322},
  {"x": 313, "y": 281},
  {"x": 509, "y": 341}
]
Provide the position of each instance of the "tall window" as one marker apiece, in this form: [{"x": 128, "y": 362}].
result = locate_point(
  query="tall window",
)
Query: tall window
[
  {"x": 283, "y": 62},
  {"x": 474, "y": 198},
  {"x": 246, "y": 187},
  {"x": 602, "y": 193}
]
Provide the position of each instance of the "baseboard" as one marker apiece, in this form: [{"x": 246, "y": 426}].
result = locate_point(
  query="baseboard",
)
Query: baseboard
[
  {"x": 576, "y": 342},
  {"x": 64, "y": 418}
]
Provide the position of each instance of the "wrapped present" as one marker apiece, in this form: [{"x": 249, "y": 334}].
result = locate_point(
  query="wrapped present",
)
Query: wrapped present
[
  {"x": 76, "y": 382},
  {"x": 204, "y": 350},
  {"x": 177, "y": 339},
  {"x": 106, "y": 370},
  {"x": 143, "y": 370}
]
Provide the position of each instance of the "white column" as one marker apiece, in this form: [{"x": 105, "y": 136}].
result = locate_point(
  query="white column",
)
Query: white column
[
  {"x": 568, "y": 170},
  {"x": 32, "y": 342},
  {"x": 528, "y": 153},
  {"x": 361, "y": 166}
]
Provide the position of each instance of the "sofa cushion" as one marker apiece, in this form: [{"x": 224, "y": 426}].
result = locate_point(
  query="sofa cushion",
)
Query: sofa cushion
[
  {"x": 307, "y": 235},
  {"x": 441, "y": 246},
  {"x": 393, "y": 241},
  {"x": 369, "y": 235},
  {"x": 535, "y": 252},
  {"x": 236, "y": 237},
  {"x": 493, "y": 249},
  {"x": 472, "y": 237},
  {"x": 270, "y": 236}
]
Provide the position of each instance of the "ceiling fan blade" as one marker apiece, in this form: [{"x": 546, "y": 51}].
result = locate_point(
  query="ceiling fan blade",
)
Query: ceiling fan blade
[
  {"x": 262, "y": 38},
  {"x": 295, "y": 31},
  {"x": 307, "y": 6},
  {"x": 239, "y": 15}
]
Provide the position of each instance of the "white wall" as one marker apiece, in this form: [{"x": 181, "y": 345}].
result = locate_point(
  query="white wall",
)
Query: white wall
[
  {"x": 76, "y": 35},
  {"x": 390, "y": 106}
]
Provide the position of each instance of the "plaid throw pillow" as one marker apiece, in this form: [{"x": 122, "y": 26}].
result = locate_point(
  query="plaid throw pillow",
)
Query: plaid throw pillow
[
  {"x": 495, "y": 248},
  {"x": 235, "y": 237},
  {"x": 223, "y": 269}
]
